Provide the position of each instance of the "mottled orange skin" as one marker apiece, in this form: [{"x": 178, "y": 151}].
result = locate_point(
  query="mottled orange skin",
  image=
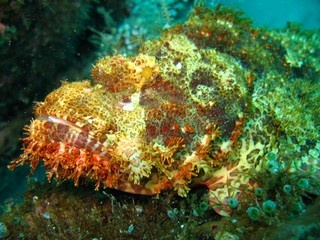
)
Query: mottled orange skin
[{"x": 145, "y": 125}]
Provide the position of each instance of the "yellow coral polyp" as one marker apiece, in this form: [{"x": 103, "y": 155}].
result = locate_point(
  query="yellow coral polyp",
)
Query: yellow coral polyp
[{"x": 147, "y": 72}]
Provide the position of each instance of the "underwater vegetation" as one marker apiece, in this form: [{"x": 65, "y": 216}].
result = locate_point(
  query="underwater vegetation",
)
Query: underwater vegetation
[{"x": 212, "y": 102}]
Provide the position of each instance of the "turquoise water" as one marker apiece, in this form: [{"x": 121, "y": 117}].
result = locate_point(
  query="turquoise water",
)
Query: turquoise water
[{"x": 276, "y": 14}]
